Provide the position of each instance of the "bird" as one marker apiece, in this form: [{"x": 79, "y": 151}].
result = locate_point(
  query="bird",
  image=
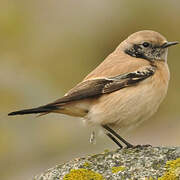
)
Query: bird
[{"x": 122, "y": 91}]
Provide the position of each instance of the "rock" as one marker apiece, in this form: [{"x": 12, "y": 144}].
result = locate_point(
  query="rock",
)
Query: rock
[{"x": 141, "y": 163}]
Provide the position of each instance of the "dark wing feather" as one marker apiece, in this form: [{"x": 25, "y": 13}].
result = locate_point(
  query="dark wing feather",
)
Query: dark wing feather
[
  {"x": 99, "y": 86},
  {"x": 94, "y": 87}
]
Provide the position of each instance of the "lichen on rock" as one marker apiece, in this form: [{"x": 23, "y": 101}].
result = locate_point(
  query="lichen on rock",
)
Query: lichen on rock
[
  {"x": 117, "y": 169},
  {"x": 83, "y": 174},
  {"x": 172, "y": 170},
  {"x": 141, "y": 163}
]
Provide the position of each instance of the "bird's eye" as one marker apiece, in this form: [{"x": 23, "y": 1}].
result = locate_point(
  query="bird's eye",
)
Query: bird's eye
[{"x": 145, "y": 44}]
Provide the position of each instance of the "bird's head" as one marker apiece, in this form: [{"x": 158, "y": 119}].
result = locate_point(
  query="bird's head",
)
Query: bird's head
[{"x": 149, "y": 45}]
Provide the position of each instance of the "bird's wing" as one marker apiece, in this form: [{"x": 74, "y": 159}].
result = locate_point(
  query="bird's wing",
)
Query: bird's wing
[
  {"x": 94, "y": 88},
  {"x": 98, "y": 86}
]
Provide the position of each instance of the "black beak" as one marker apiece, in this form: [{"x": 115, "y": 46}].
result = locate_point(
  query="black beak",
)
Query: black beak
[{"x": 168, "y": 44}]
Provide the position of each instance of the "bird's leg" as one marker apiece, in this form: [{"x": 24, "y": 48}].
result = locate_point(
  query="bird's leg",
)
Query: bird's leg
[
  {"x": 92, "y": 139},
  {"x": 118, "y": 136},
  {"x": 114, "y": 140}
]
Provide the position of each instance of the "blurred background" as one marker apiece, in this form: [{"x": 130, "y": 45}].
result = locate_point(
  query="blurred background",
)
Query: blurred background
[{"x": 47, "y": 47}]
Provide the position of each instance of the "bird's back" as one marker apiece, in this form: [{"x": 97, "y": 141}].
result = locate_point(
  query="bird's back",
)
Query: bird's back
[{"x": 115, "y": 64}]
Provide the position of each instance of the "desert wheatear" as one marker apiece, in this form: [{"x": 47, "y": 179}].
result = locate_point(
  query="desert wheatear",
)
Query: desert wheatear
[{"x": 123, "y": 91}]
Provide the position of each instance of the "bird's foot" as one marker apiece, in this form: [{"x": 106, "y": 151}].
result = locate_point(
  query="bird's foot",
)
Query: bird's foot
[{"x": 138, "y": 146}]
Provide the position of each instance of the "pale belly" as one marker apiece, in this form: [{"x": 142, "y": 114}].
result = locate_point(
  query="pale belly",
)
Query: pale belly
[{"x": 127, "y": 108}]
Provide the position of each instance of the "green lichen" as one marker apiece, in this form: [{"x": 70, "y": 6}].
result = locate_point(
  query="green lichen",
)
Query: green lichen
[
  {"x": 117, "y": 169},
  {"x": 172, "y": 170},
  {"x": 86, "y": 164},
  {"x": 83, "y": 174}
]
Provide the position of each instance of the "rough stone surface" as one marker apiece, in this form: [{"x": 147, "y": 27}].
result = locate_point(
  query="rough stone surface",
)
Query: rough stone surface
[{"x": 141, "y": 163}]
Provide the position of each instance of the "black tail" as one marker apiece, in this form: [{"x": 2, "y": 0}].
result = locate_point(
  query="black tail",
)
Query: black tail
[{"x": 41, "y": 109}]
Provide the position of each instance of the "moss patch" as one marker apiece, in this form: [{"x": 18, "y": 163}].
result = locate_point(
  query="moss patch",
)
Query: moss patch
[
  {"x": 117, "y": 169},
  {"x": 172, "y": 170},
  {"x": 83, "y": 174}
]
